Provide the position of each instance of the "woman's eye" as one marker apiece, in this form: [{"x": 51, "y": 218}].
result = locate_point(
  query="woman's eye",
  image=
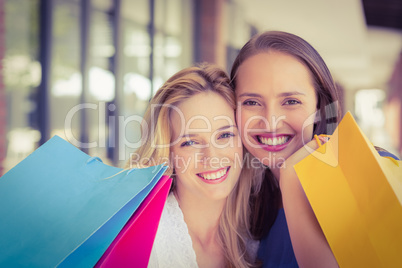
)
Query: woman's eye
[
  {"x": 250, "y": 103},
  {"x": 187, "y": 143},
  {"x": 292, "y": 102},
  {"x": 226, "y": 135}
]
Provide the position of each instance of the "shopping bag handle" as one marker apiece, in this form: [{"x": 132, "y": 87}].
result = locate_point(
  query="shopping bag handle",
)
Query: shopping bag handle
[
  {"x": 393, "y": 160},
  {"x": 94, "y": 158},
  {"x": 318, "y": 140}
]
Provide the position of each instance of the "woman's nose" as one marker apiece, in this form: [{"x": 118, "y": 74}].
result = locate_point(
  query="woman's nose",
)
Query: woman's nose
[
  {"x": 272, "y": 120},
  {"x": 207, "y": 154}
]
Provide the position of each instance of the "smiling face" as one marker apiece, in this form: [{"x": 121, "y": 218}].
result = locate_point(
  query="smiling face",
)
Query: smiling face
[
  {"x": 276, "y": 105},
  {"x": 206, "y": 148}
]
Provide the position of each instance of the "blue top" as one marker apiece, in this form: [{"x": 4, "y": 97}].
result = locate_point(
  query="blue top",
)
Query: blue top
[
  {"x": 382, "y": 153},
  {"x": 276, "y": 249}
]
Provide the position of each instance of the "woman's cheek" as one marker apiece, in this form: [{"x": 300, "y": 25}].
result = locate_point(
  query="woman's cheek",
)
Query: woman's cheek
[
  {"x": 308, "y": 133},
  {"x": 240, "y": 122},
  {"x": 181, "y": 159},
  {"x": 306, "y": 126},
  {"x": 243, "y": 123}
]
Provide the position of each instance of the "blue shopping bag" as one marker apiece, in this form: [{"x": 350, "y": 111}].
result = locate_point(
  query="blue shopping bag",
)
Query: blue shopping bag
[{"x": 61, "y": 207}]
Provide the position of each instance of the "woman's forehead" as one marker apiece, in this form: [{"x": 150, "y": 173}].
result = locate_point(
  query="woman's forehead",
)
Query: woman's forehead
[{"x": 204, "y": 111}]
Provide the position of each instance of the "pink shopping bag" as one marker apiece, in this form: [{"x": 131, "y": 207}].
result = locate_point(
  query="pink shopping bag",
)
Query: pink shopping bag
[{"x": 132, "y": 247}]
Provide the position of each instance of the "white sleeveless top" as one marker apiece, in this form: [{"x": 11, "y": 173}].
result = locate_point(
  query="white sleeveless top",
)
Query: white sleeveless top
[{"x": 173, "y": 246}]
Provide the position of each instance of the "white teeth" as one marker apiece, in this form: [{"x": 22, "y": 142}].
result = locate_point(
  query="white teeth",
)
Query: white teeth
[
  {"x": 274, "y": 141},
  {"x": 270, "y": 142},
  {"x": 215, "y": 175}
]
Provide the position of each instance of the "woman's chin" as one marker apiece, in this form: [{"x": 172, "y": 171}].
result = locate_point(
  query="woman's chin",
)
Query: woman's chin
[{"x": 272, "y": 162}]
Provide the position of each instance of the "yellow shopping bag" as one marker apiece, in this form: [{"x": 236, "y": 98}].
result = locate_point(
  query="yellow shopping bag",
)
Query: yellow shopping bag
[{"x": 356, "y": 196}]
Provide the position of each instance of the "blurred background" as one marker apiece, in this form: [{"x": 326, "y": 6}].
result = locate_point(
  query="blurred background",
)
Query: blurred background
[{"x": 86, "y": 69}]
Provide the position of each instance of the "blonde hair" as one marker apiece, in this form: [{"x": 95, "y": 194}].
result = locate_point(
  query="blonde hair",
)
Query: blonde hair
[{"x": 233, "y": 230}]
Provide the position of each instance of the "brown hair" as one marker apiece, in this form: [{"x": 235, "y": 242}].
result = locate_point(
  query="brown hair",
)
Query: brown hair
[{"x": 327, "y": 106}]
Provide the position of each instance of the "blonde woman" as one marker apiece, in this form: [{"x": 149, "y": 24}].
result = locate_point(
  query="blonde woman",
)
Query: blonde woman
[{"x": 190, "y": 123}]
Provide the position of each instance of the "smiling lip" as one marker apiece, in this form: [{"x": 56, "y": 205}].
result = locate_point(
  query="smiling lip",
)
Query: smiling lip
[
  {"x": 279, "y": 142},
  {"x": 203, "y": 176}
]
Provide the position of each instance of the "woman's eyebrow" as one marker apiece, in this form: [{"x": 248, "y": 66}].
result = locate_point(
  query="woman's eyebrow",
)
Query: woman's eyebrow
[
  {"x": 283, "y": 94},
  {"x": 191, "y": 135},
  {"x": 250, "y": 95},
  {"x": 291, "y": 93},
  {"x": 226, "y": 127},
  {"x": 187, "y": 136}
]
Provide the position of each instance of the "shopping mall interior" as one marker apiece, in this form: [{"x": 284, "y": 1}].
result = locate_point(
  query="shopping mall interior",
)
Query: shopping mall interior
[{"x": 86, "y": 69}]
